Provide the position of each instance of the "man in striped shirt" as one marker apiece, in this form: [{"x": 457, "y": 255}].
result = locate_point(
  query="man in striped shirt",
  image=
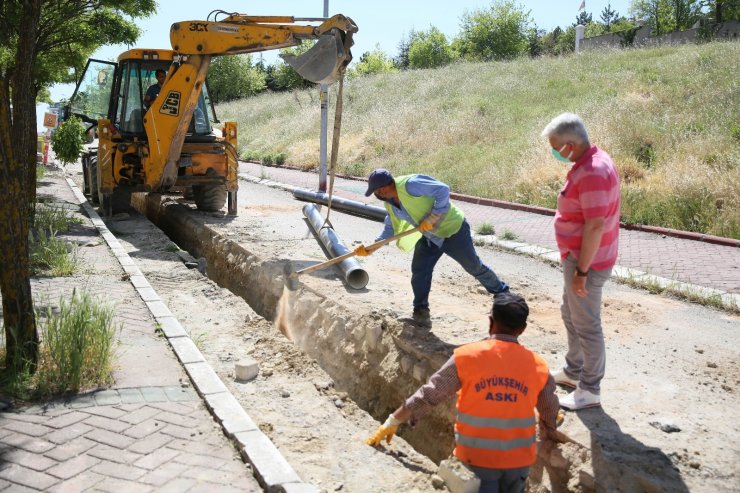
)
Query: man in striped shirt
[
  {"x": 587, "y": 234},
  {"x": 498, "y": 383}
]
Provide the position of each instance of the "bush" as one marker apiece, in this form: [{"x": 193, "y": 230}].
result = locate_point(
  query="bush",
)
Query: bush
[
  {"x": 496, "y": 33},
  {"x": 67, "y": 141},
  {"x": 78, "y": 345},
  {"x": 51, "y": 256},
  {"x": 373, "y": 62},
  {"x": 509, "y": 235},
  {"x": 54, "y": 218},
  {"x": 234, "y": 77},
  {"x": 486, "y": 229},
  {"x": 429, "y": 49}
]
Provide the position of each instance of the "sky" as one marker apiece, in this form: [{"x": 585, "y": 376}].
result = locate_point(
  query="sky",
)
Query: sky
[{"x": 381, "y": 23}]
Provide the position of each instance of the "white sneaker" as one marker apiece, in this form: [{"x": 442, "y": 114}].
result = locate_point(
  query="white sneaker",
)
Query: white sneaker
[
  {"x": 562, "y": 379},
  {"x": 580, "y": 399}
]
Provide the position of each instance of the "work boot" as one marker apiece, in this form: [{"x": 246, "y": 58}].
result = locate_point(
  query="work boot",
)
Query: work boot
[{"x": 420, "y": 318}]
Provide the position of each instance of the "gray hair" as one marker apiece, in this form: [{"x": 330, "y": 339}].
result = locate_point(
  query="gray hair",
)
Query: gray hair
[{"x": 567, "y": 127}]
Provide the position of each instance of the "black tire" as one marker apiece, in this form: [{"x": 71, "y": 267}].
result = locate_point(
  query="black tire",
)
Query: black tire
[
  {"x": 86, "y": 174},
  {"x": 209, "y": 198},
  {"x": 93, "y": 177},
  {"x": 187, "y": 193}
]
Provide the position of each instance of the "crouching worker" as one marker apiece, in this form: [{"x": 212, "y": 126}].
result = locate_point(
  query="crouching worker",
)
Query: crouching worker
[{"x": 499, "y": 383}]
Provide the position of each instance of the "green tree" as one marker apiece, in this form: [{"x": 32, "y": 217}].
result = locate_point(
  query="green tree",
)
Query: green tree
[
  {"x": 722, "y": 10},
  {"x": 496, "y": 33},
  {"x": 430, "y": 49},
  {"x": 372, "y": 62},
  {"x": 401, "y": 61},
  {"x": 535, "y": 46},
  {"x": 584, "y": 19},
  {"x": 42, "y": 42},
  {"x": 609, "y": 16},
  {"x": 665, "y": 16},
  {"x": 234, "y": 77}
]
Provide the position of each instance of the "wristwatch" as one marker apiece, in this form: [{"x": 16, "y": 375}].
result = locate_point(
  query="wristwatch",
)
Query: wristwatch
[{"x": 581, "y": 273}]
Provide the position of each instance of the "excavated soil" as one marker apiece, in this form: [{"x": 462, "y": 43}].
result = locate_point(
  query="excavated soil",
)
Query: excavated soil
[{"x": 668, "y": 421}]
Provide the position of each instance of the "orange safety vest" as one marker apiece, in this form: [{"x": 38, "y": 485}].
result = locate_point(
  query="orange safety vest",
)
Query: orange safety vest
[{"x": 495, "y": 424}]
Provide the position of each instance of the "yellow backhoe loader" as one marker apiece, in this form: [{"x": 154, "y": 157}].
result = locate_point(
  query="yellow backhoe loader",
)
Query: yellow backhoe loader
[{"x": 171, "y": 144}]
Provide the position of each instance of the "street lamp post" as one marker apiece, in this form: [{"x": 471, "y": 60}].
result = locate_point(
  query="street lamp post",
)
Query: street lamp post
[{"x": 324, "y": 101}]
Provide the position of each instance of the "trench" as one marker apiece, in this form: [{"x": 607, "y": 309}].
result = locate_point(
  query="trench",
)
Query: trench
[{"x": 373, "y": 357}]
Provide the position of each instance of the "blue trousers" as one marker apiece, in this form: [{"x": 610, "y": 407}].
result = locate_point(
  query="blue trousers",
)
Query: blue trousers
[
  {"x": 501, "y": 480},
  {"x": 459, "y": 247}
]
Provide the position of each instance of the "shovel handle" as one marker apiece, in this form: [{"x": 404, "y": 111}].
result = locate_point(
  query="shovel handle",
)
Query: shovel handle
[
  {"x": 351, "y": 253},
  {"x": 382, "y": 243}
]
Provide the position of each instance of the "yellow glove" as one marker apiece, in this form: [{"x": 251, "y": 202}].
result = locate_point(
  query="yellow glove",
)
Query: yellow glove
[
  {"x": 386, "y": 430},
  {"x": 361, "y": 251},
  {"x": 429, "y": 223}
]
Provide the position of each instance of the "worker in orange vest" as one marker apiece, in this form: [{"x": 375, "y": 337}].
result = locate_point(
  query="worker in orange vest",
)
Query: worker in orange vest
[{"x": 498, "y": 383}]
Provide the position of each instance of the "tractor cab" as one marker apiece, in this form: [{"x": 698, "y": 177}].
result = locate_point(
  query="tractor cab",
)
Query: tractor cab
[{"x": 118, "y": 92}]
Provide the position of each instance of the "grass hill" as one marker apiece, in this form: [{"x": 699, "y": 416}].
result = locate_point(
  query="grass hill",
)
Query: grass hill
[{"x": 669, "y": 116}]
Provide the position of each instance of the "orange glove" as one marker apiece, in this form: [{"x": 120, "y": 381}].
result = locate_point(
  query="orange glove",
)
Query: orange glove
[
  {"x": 429, "y": 223},
  {"x": 361, "y": 251},
  {"x": 385, "y": 431}
]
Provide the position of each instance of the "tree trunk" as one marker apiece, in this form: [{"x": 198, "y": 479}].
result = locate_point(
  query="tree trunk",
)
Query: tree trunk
[{"x": 17, "y": 187}]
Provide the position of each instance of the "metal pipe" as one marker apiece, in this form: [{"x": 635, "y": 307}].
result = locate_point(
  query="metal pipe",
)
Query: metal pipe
[
  {"x": 354, "y": 275},
  {"x": 353, "y": 207}
]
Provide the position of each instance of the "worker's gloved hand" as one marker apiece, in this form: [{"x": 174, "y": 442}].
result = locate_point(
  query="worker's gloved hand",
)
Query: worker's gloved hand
[
  {"x": 385, "y": 431},
  {"x": 430, "y": 222},
  {"x": 361, "y": 251}
]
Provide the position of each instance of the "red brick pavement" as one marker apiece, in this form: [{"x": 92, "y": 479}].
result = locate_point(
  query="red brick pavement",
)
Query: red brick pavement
[{"x": 694, "y": 262}]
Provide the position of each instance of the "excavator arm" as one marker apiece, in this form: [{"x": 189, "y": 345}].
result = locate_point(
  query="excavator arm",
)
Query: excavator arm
[{"x": 195, "y": 42}]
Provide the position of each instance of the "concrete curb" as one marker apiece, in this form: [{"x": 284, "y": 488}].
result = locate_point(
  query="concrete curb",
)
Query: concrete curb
[
  {"x": 623, "y": 274},
  {"x": 269, "y": 466}
]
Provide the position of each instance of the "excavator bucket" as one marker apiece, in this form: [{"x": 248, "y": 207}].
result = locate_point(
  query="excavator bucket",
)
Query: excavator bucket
[{"x": 322, "y": 63}]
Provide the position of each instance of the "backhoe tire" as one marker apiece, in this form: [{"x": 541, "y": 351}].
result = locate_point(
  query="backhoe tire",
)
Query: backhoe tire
[
  {"x": 85, "y": 174},
  {"x": 209, "y": 198},
  {"x": 93, "y": 177}
]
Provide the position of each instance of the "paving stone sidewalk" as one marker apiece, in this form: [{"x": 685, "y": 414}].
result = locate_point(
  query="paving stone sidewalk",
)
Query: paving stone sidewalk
[
  {"x": 151, "y": 432},
  {"x": 665, "y": 259}
]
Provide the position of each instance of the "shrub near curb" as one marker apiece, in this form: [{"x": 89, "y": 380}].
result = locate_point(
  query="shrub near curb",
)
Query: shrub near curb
[
  {"x": 67, "y": 140},
  {"x": 78, "y": 345}
]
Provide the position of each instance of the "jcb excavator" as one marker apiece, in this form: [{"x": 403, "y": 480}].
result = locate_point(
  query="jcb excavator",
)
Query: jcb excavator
[{"x": 171, "y": 144}]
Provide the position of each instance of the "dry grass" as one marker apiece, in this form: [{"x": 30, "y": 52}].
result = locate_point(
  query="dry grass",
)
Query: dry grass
[{"x": 668, "y": 116}]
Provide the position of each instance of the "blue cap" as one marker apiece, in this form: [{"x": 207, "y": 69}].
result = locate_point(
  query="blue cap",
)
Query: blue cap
[{"x": 377, "y": 179}]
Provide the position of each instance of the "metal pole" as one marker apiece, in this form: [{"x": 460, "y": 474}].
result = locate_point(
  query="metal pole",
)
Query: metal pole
[{"x": 324, "y": 101}]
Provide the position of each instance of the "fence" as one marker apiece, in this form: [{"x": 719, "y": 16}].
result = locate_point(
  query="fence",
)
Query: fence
[{"x": 726, "y": 30}]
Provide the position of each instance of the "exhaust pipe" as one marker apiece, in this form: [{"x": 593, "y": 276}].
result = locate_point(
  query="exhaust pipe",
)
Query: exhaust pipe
[{"x": 354, "y": 275}]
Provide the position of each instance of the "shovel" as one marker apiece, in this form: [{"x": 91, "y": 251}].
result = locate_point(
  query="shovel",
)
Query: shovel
[{"x": 291, "y": 275}]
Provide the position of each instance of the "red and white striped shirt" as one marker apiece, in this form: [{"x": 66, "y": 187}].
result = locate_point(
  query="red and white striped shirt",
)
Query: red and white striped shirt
[{"x": 591, "y": 191}]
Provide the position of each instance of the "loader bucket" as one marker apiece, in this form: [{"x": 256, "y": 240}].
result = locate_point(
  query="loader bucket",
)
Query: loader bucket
[{"x": 322, "y": 63}]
